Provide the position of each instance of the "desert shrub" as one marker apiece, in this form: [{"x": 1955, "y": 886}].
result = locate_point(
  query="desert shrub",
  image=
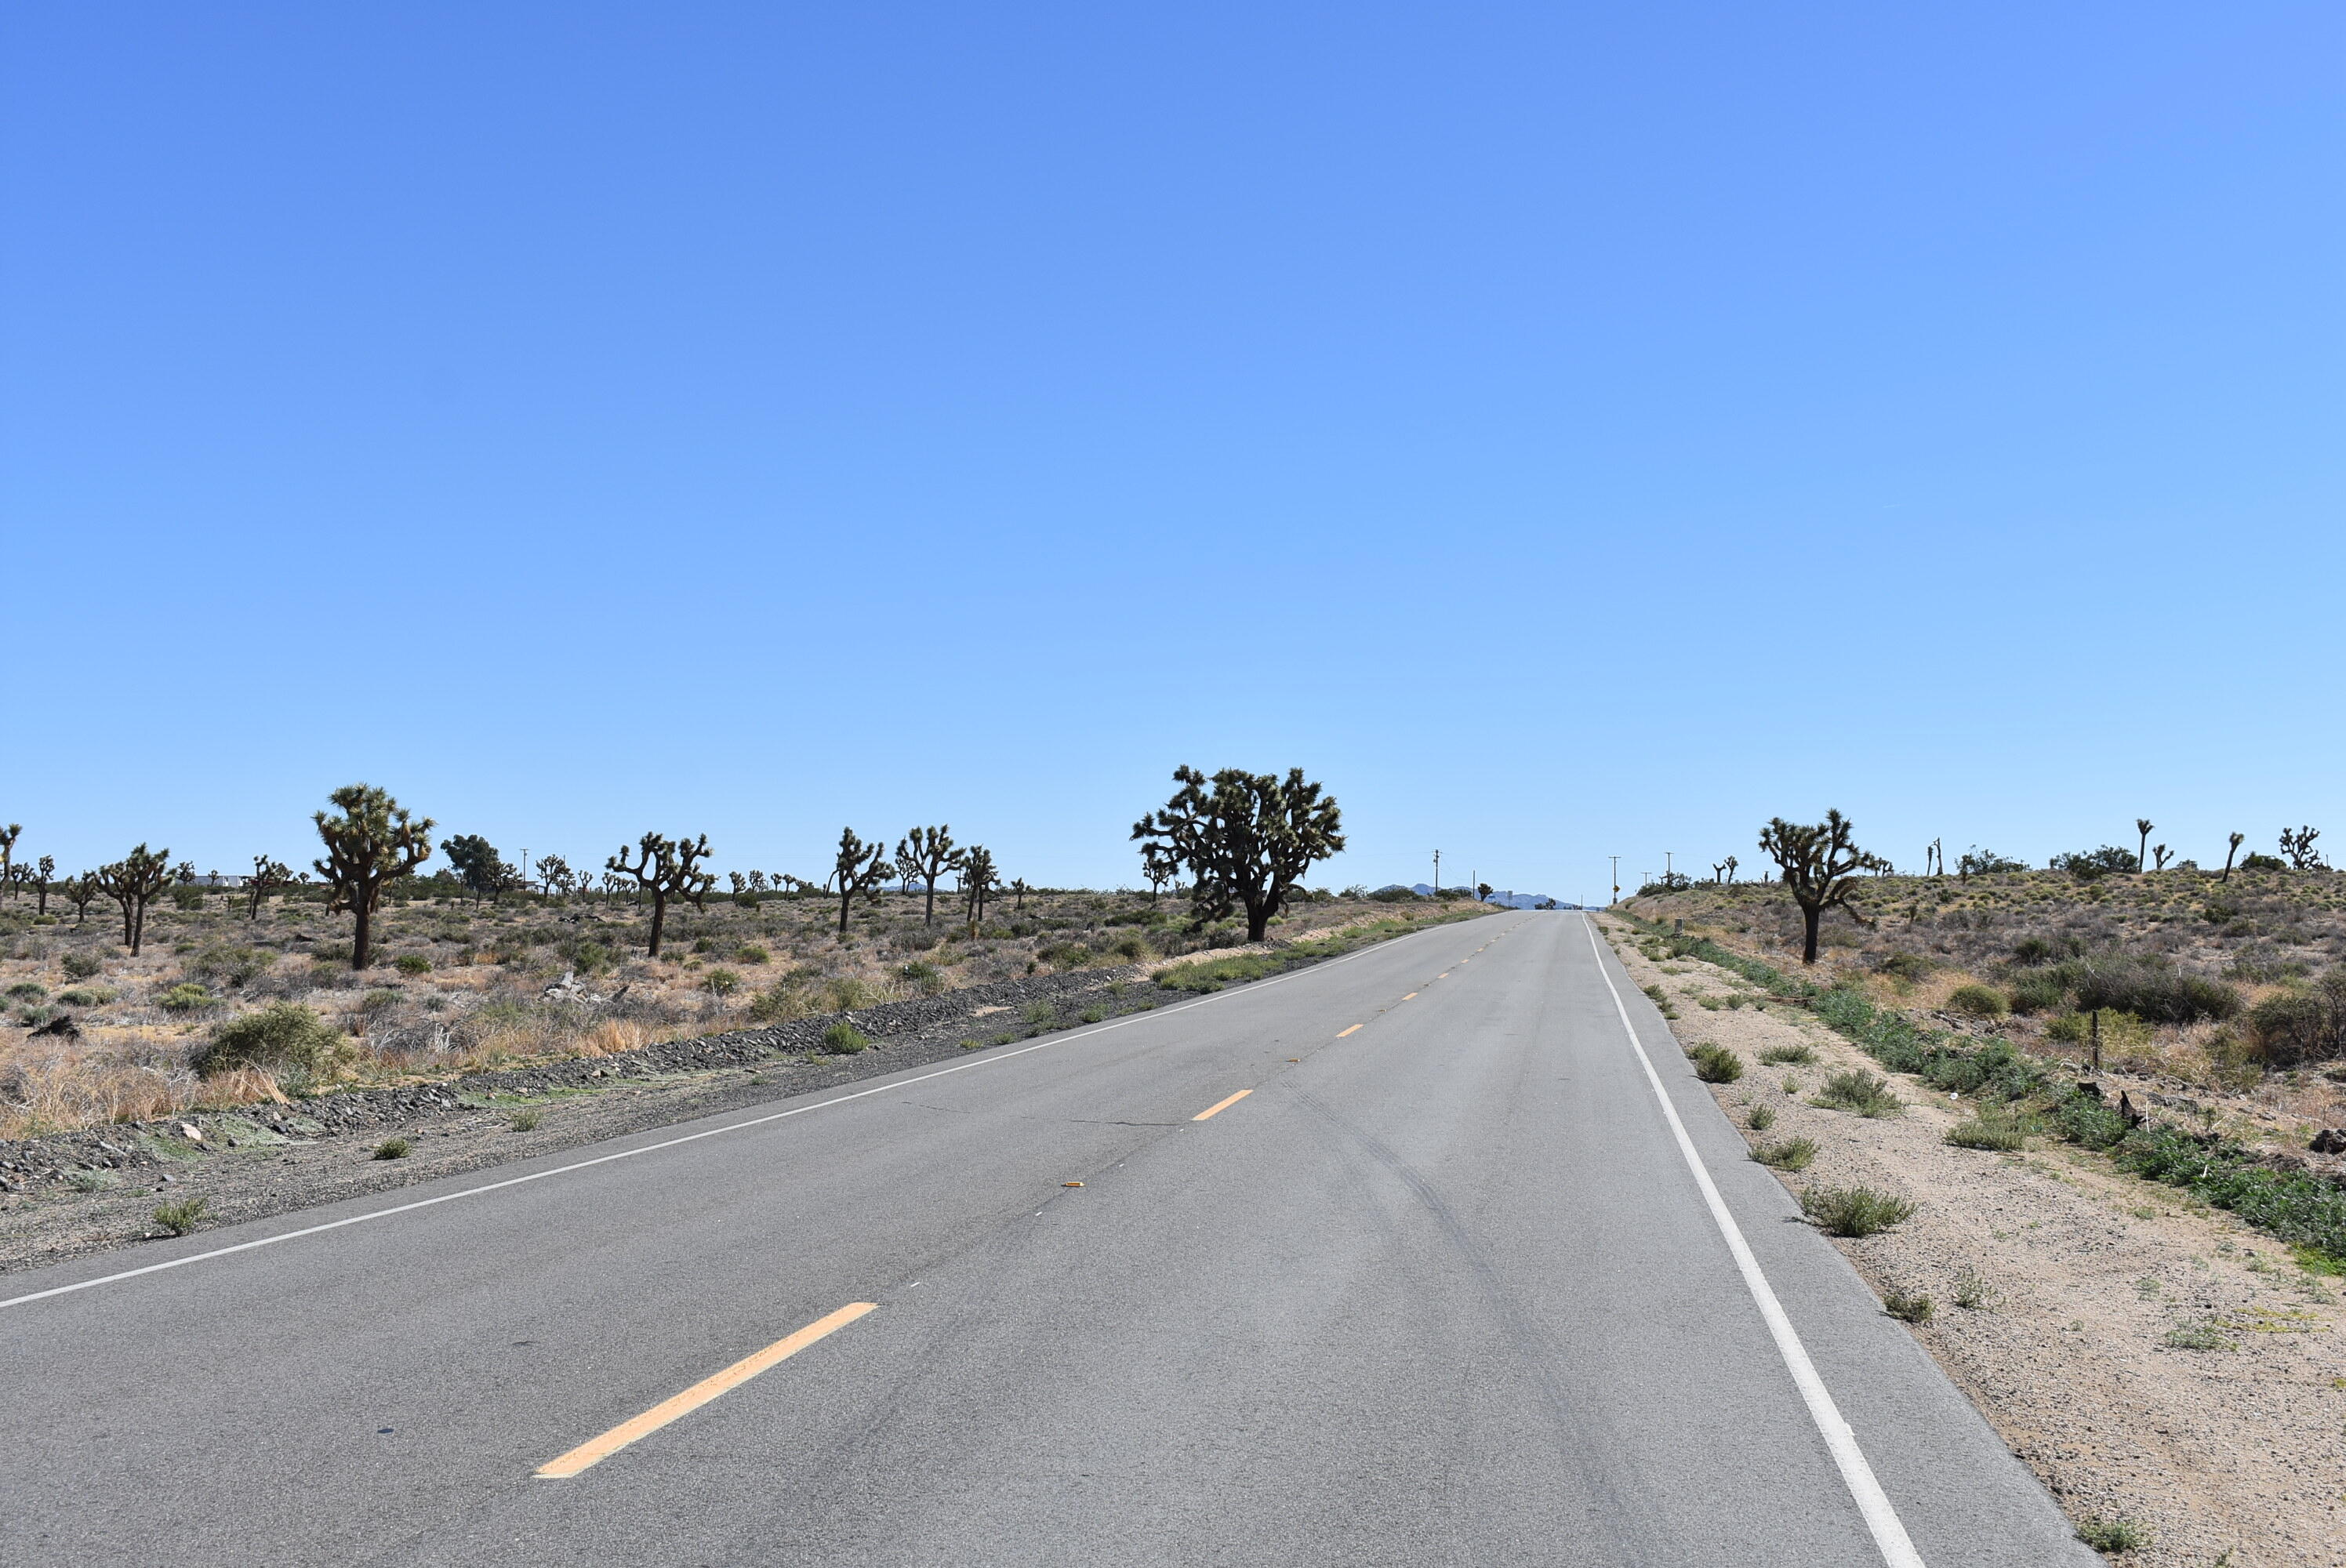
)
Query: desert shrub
[
  {"x": 1787, "y": 1056},
  {"x": 1904, "y": 965},
  {"x": 1986, "y": 862},
  {"x": 2038, "y": 993},
  {"x": 1093, "y": 1014},
  {"x": 527, "y": 1121},
  {"x": 751, "y": 952},
  {"x": 33, "y": 990},
  {"x": 2112, "y": 1535},
  {"x": 2301, "y": 1027},
  {"x": 393, "y": 1149},
  {"x": 583, "y": 956},
  {"x": 1853, "y": 1211},
  {"x": 186, "y": 997},
  {"x": 2259, "y": 861},
  {"x": 1130, "y": 948},
  {"x": 1717, "y": 1064},
  {"x": 847, "y": 993},
  {"x": 1039, "y": 1014},
  {"x": 181, "y": 1217},
  {"x": 1917, "y": 1309},
  {"x": 79, "y": 997},
  {"x": 1978, "y": 1001},
  {"x": 2092, "y": 865},
  {"x": 78, "y": 966},
  {"x": 1990, "y": 1127},
  {"x": 923, "y": 977},
  {"x": 1791, "y": 1154},
  {"x": 721, "y": 981},
  {"x": 843, "y": 1039},
  {"x": 2036, "y": 949},
  {"x": 413, "y": 963},
  {"x": 282, "y": 1036},
  {"x": 189, "y": 898},
  {"x": 230, "y": 964},
  {"x": 1859, "y": 1090},
  {"x": 2151, "y": 989},
  {"x": 1761, "y": 1118},
  {"x": 330, "y": 952},
  {"x": 778, "y": 1003}
]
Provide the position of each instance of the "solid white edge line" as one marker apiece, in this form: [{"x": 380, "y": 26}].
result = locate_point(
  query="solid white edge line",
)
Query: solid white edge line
[
  {"x": 671, "y": 1143},
  {"x": 1882, "y": 1519}
]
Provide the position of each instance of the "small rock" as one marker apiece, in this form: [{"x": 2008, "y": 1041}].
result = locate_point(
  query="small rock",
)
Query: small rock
[
  {"x": 192, "y": 1133},
  {"x": 2330, "y": 1141}
]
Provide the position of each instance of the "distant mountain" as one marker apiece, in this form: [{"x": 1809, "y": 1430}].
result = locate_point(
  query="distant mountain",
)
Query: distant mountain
[{"x": 1512, "y": 901}]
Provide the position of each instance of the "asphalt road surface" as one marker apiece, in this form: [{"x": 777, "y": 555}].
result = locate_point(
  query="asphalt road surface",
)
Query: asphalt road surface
[{"x": 1458, "y": 1278}]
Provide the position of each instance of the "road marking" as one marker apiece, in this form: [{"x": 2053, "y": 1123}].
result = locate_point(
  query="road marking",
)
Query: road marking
[
  {"x": 595, "y": 1451},
  {"x": 1443, "y": 976},
  {"x": 485, "y": 1188},
  {"x": 1217, "y": 1108},
  {"x": 1353, "y": 1030},
  {"x": 1410, "y": 997},
  {"x": 1889, "y": 1537}
]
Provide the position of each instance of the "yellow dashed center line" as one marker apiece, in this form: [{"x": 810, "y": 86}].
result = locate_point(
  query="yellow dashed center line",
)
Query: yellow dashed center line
[
  {"x": 1410, "y": 997},
  {"x": 595, "y": 1451},
  {"x": 1355, "y": 1029},
  {"x": 1223, "y": 1106}
]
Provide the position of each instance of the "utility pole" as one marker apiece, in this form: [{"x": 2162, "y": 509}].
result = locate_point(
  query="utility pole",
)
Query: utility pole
[
  {"x": 1616, "y": 880},
  {"x": 1668, "y": 870},
  {"x": 1437, "y": 873}
]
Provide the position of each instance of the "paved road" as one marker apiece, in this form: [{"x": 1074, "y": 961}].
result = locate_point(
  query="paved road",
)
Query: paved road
[{"x": 1441, "y": 1289}]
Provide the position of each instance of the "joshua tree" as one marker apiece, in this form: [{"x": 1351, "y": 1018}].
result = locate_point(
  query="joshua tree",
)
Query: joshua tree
[
  {"x": 2299, "y": 847},
  {"x": 131, "y": 881},
  {"x": 1019, "y": 888},
  {"x": 373, "y": 841},
  {"x": 1159, "y": 865},
  {"x": 268, "y": 876},
  {"x": 2142, "y": 825},
  {"x": 859, "y": 869},
  {"x": 2159, "y": 855},
  {"x": 977, "y": 881},
  {"x": 2238, "y": 840},
  {"x": 554, "y": 874},
  {"x": 1247, "y": 844},
  {"x": 8, "y": 837},
  {"x": 928, "y": 853},
  {"x": 1482, "y": 891},
  {"x": 45, "y": 867},
  {"x": 1818, "y": 863},
  {"x": 1718, "y": 872},
  {"x": 81, "y": 892},
  {"x": 757, "y": 881},
  {"x": 663, "y": 868}
]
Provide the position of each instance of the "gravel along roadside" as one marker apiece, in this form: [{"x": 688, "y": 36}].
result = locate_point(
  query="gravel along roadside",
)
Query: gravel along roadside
[
  {"x": 89, "y": 1191},
  {"x": 2175, "y": 1378}
]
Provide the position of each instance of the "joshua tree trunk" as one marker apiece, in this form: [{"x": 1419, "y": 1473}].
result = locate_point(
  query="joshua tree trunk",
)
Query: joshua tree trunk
[
  {"x": 2238, "y": 840},
  {"x": 659, "y": 919},
  {"x": 362, "y": 934}
]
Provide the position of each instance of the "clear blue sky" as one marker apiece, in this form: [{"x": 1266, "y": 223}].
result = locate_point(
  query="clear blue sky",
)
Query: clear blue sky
[{"x": 1562, "y": 429}]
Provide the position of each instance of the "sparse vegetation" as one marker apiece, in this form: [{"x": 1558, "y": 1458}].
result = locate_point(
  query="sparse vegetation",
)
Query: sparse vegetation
[
  {"x": 2114, "y": 1536},
  {"x": 181, "y": 1216},
  {"x": 1855, "y": 1212},
  {"x": 393, "y": 1149},
  {"x": 1791, "y": 1155},
  {"x": 1859, "y": 1092},
  {"x": 1917, "y": 1309},
  {"x": 1715, "y": 1064}
]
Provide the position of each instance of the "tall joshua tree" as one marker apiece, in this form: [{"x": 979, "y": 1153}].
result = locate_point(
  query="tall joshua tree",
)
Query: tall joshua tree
[
  {"x": 859, "y": 868},
  {"x": 2159, "y": 857},
  {"x": 371, "y": 840},
  {"x": 8, "y": 837},
  {"x": 978, "y": 882},
  {"x": 1818, "y": 863},
  {"x": 1247, "y": 840},
  {"x": 1732, "y": 863},
  {"x": 2238, "y": 840},
  {"x": 665, "y": 867},
  {"x": 268, "y": 876},
  {"x": 131, "y": 881},
  {"x": 928, "y": 853},
  {"x": 2142, "y": 850},
  {"x": 82, "y": 891},
  {"x": 45, "y": 867}
]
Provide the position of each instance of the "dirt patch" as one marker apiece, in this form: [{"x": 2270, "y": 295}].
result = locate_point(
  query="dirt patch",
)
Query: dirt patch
[{"x": 2151, "y": 1359}]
